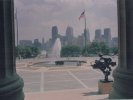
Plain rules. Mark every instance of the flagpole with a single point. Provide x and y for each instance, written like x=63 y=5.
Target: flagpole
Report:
x=85 y=37
x=85 y=31
x=85 y=22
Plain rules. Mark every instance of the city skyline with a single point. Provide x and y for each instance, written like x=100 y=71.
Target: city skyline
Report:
x=36 y=17
x=69 y=39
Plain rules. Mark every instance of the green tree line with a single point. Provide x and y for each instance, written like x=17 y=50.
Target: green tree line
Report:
x=68 y=51
x=27 y=51
x=93 y=49
x=72 y=51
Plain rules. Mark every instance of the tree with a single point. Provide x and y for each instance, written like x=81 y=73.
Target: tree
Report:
x=70 y=51
x=27 y=51
x=35 y=51
x=38 y=45
x=114 y=50
x=104 y=48
x=95 y=48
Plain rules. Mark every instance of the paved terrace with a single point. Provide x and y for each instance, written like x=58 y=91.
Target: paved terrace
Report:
x=68 y=83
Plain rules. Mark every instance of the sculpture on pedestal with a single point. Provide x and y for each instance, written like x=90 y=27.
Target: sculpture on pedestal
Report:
x=104 y=64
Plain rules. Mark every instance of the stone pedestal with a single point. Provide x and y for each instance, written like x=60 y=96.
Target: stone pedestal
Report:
x=123 y=75
x=104 y=87
x=11 y=85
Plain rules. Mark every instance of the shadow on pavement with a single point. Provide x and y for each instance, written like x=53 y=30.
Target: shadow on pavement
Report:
x=91 y=93
x=95 y=93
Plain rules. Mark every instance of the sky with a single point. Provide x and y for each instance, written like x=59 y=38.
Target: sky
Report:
x=36 y=17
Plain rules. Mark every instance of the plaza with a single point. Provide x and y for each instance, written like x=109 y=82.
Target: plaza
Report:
x=62 y=82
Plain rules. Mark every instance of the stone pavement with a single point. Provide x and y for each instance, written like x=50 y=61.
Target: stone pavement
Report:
x=79 y=94
x=61 y=83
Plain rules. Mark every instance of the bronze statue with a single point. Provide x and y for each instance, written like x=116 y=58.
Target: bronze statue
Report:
x=104 y=64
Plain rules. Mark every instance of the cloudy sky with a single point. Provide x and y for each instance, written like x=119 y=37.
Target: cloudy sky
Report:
x=36 y=17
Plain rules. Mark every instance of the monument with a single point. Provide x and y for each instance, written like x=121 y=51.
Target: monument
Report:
x=104 y=64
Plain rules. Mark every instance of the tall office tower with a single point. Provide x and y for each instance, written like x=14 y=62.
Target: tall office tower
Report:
x=69 y=31
x=43 y=43
x=54 y=33
x=107 y=36
x=69 y=35
x=98 y=35
x=102 y=38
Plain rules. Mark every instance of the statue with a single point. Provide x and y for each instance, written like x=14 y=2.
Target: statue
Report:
x=104 y=64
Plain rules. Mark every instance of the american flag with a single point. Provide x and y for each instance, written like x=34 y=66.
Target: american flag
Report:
x=82 y=15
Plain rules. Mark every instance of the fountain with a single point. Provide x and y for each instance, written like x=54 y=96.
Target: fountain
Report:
x=54 y=57
x=56 y=49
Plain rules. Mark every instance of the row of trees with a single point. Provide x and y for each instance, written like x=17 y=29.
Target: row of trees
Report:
x=68 y=51
x=92 y=49
x=27 y=51
x=72 y=50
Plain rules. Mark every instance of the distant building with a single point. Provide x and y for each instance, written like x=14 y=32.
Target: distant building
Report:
x=36 y=41
x=68 y=38
x=43 y=40
x=25 y=42
x=54 y=33
x=43 y=43
x=69 y=31
x=115 y=42
x=48 y=45
x=98 y=35
x=81 y=41
x=69 y=35
x=63 y=40
x=88 y=37
x=107 y=36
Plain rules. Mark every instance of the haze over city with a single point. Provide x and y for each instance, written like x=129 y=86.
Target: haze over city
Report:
x=36 y=17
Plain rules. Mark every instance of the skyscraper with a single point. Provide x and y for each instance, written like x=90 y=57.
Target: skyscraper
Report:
x=54 y=33
x=98 y=35
x=87 y=36
x=69 y=31
x=107 y=36
x=69 y=35
x=43 y=43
